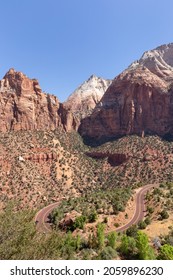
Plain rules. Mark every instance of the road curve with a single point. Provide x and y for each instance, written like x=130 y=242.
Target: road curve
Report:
x=41 y=218
x=42 y=221
x=140 y=207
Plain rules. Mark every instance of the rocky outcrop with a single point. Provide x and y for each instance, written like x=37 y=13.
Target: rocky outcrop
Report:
x=114 y=159
x=117 y=159
x=68 y=221
x=139 y=101
x=23 y=106
x=159 y=61
x=84 y=99
x=41 y=157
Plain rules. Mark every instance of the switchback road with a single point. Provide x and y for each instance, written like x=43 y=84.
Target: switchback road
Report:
x=140 y=207
x=43 y=225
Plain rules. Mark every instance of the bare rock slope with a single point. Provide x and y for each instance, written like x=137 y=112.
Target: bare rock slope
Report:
x=139 y=100
x=84 y=99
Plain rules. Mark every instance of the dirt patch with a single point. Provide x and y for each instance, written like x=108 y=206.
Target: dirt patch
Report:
x=157 y=228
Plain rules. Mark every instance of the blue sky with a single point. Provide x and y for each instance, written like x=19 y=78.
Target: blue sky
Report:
x=63 y=42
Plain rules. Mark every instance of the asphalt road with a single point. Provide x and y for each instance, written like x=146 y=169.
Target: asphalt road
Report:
x=42 y=224
x=140 y=207
x=41 y=218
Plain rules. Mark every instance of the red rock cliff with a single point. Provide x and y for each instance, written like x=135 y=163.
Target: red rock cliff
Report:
x=23 y=106
x=139 y=101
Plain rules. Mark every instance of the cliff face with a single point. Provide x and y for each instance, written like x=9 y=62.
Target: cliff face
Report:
x=23 y=106
x=84 y=99
x=114 y=159
x=139 y=101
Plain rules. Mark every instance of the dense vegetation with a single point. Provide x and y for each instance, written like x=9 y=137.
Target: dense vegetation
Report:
x=150 y=159
x=20 y=240
x=91 y=204
x=160 y=201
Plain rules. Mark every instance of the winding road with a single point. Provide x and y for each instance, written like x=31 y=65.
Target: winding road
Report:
x=140 y=209
x=42 y=221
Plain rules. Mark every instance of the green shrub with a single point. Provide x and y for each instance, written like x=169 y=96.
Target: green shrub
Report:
x=116 y=225
x=147 y=221
x=92 y=217
x=150 y=209
x=105 y=220
x=132 y=231
x=166 y=252
x=79 y=222
x=108 y=253
x=163 y=215
x=142 y=225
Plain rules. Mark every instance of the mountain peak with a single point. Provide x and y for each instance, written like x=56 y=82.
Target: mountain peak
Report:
x=159 y=61
x=92 y=77
x=84 y=99
x=12 y=72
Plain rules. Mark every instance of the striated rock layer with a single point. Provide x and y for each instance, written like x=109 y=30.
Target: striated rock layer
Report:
x=139 y=100
x=23 y=106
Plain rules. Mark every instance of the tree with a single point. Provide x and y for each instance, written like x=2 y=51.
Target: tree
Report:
x=124 y=247
x=112 y=239
x=166 y=252
x=145 y=252
x=164 y=215
x=132 y=231
x=142 y=225
x=128 y=247
x=100 y=235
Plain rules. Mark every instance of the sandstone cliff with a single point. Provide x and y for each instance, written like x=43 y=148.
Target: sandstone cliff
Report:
x=84 y=99
x=23 y=106
x=139 y=100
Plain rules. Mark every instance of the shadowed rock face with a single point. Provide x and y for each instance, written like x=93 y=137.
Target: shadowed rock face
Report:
x=139 y=101
x=23 y=106
x=114 y=159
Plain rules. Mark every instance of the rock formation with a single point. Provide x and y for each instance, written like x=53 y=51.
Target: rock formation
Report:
x=23 y=106
x=84 y=99
x=139 y=100
x=41 y=157
x=114 y=159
